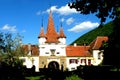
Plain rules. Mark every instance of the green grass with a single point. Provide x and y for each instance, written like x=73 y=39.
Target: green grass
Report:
x=73 y=77
x=33 y=78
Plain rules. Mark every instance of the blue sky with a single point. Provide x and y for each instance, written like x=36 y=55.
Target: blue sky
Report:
x=25 y=17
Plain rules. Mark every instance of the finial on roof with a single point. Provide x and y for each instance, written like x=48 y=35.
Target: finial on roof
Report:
x=42 y=22
x=41 y=30
x=61 y=23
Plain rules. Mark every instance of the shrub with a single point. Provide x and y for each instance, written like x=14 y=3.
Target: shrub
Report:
x=73 y=77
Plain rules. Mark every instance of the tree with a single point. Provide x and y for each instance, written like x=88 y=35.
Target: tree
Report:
x=104 y=9
x=2 y=48
x=10 y=49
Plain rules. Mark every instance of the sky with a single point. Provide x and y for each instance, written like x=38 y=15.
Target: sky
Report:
x=27 y=16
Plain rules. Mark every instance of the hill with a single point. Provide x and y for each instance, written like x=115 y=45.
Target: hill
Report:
x=87 y=38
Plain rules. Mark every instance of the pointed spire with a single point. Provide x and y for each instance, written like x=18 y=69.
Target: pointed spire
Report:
x=41 y=33
x=62 y=35
x=41 y=30
x=50 y=26
x=51 y=33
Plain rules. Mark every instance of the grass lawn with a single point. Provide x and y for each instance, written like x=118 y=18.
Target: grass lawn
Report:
x=34 y=78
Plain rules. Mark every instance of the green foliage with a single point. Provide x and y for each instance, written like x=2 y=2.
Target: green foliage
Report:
x=33 y=78
x=102 y=8
x=87 y=38
x=10 y=49
x=73 y=77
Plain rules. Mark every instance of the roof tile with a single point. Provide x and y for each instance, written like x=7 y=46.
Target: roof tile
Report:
x=97 y=43
x=51 y=34
x=62 y=35
x=41 y=33
x=79 y=51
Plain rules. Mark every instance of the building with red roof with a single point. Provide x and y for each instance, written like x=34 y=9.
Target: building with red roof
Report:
x=52 y=51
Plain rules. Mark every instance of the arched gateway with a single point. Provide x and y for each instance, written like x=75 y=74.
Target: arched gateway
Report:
x=53 y=65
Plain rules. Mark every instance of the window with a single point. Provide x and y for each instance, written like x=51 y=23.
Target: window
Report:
x=42 y=62
x=42 y=47
x=83 y=61
x=89 y=62
x=73 y=61
x=23 y=60
x=99 y=55
x=62 y=47
x=47 y=53
x=58 y=52
x=52 y=52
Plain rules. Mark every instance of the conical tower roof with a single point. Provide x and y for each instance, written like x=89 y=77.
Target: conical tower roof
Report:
x=61 y=34
x=51 y=34
x=41 y=33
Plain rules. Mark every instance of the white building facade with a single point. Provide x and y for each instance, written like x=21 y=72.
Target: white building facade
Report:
x=52 y=51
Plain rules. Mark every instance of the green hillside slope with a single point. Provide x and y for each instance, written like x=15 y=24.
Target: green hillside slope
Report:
x=87 y=38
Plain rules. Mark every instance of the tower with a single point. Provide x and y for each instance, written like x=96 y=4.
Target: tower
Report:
x=52 y=45
x=62 y=37
x=42 y=37
x=51 y=35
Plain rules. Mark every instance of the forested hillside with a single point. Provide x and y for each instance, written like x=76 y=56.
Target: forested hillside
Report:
x=87 y=38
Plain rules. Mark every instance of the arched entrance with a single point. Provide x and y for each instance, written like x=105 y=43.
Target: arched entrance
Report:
x=53 y=65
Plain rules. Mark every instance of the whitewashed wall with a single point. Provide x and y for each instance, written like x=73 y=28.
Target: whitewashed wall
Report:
x=62 y=40
x=72 y=66
x=95 y=56
x=28 y=62
x=47 y=47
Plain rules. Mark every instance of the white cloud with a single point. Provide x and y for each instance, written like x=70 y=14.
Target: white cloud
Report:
x=23 y=31
x=7 y=27
x=84 y=26
x=38 y=13
x=69 y=21
x=62 y=20
x=63 y=10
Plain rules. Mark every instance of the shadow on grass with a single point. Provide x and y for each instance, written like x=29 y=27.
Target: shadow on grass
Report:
x=83 y=72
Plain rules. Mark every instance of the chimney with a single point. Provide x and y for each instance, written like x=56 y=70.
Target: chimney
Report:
x=29 y=49
x=29 y=46
x=75 y=44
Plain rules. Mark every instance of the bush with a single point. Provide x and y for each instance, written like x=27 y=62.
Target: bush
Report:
x=73 y=77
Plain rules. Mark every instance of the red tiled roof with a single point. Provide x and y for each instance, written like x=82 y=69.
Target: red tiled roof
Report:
x=25 y=48
x=41 y=33
x=81 y=51
x=97 y=43
x=51 y=34
x=61 y=34
x=34 y=49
